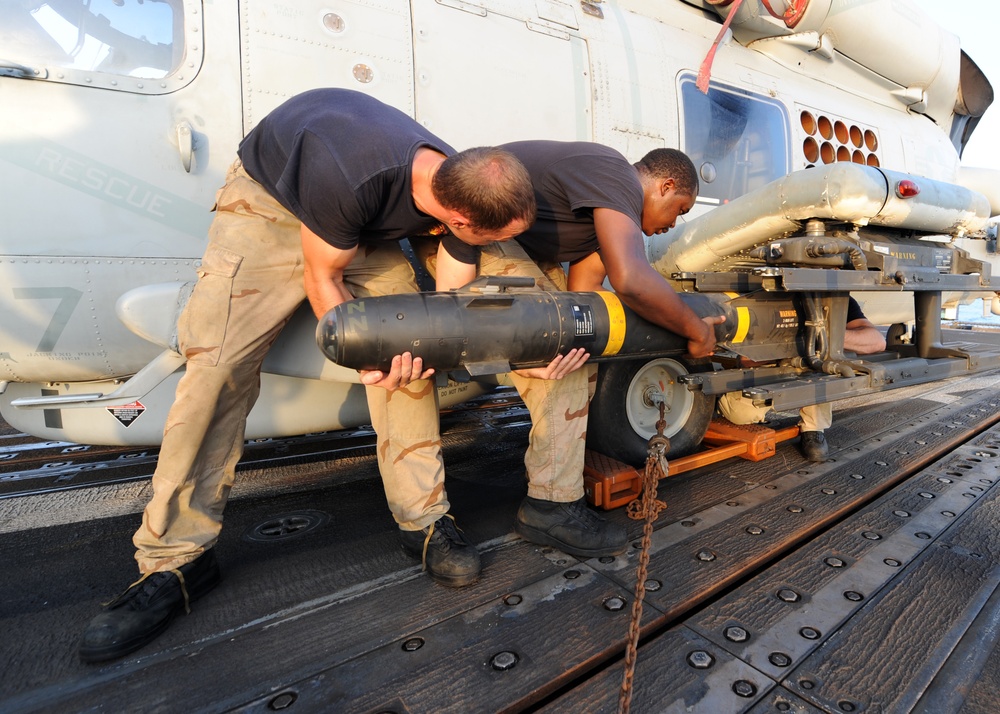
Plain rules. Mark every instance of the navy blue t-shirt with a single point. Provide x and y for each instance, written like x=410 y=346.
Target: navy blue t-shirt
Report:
x=571 y=179
x=340 y=161
x=854 y=310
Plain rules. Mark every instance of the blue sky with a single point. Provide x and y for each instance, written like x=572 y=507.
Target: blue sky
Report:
x=977 y=23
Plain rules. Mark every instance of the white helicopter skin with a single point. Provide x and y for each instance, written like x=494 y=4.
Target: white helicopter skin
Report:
x=118 y=121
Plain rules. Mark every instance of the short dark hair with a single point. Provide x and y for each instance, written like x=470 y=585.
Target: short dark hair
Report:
x=489 y=186
x=671 y=163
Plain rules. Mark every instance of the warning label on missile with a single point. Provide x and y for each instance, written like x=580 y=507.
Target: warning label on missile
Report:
x=583 y=316
x=127 y=413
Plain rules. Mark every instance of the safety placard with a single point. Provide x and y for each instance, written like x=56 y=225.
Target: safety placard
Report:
x=127 y=413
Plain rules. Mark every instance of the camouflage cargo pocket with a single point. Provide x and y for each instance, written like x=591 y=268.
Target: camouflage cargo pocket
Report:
x=201 y=328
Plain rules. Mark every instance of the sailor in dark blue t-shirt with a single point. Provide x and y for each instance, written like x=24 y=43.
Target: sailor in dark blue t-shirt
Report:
x=325 y=188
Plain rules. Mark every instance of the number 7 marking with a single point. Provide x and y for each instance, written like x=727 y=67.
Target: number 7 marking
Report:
x=68 y=299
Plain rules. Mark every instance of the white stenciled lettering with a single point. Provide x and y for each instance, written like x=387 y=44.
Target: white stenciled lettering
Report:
x=72 y=170
x=115 y=193
x=49 y=159
x=157 y=204
x=94 y=178
x=135 y=199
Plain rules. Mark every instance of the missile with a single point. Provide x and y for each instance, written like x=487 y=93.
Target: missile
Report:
x=486 y=328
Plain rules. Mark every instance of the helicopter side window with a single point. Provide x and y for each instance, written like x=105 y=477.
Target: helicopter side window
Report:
x=737 y=140
x=94 y=42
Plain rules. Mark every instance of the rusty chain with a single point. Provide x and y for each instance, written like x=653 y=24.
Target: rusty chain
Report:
x=646 y=507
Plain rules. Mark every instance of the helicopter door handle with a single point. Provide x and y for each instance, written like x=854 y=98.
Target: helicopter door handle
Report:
x=185 y=144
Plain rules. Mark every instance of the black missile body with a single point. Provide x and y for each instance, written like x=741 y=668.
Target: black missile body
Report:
x=491 y=333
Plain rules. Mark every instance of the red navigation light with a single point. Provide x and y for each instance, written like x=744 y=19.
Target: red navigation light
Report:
x=907 y=188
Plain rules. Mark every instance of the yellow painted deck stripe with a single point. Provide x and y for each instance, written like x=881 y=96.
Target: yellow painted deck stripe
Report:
x=616 y=319
x=742 y=320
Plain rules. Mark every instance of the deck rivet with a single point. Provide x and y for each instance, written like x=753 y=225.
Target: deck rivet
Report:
x=571 y=574
x=846 y=706
x=736 y=634
x=810 y=633
x=706 y=556
x=653 y=585
x=944 y=480
x=835 y=562
x=754 y=530
x=614 y=603
x=854 y=596
x=871 y=535
x=788 y=595
x=829 y=491
x=923 y=536
x=807 y=683
x=779 y=659
x=881 y=463
x=502 y=661
x=743 y=688
x=700 y=659
x=732 y=503
x=901 y=513
x=925 y=494
x=513 y=599
x=783 y=706
x=413 y=644
x=282 y=701
x=606 y=559
x=892 y=562
x=687 y=524
x=858 y=477
x=949 y=514
x=794 y=509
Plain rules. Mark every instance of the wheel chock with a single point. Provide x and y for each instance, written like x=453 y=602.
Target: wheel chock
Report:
x=609 y=483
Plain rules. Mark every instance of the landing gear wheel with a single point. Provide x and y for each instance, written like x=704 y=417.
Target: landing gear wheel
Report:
x=624 y=410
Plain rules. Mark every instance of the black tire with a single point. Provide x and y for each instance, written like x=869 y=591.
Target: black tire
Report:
x=622 y=418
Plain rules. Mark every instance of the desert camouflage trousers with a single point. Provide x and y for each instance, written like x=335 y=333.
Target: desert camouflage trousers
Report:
x=739 y=410
x=557 y=441
x=249 y=284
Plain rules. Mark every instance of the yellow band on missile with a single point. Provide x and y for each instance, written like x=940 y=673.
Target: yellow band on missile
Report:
x=616 y=320
x=742 y=320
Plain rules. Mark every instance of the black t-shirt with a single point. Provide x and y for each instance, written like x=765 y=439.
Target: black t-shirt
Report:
x=340 y=161
x=854 y=311
x=571 y=179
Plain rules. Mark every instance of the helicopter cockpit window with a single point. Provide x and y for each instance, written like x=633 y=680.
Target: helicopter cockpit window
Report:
x=133 y=45
x=737 y=140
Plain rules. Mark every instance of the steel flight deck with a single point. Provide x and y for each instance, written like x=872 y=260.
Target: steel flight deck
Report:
x=867 y=583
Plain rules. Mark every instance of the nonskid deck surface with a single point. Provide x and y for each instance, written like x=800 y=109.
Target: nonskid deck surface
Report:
x=868 y=583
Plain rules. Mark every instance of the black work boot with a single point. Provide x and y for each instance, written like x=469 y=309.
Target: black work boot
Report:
x=571 y=527
x=141 y=613
x=813 y=445
x=445 y=552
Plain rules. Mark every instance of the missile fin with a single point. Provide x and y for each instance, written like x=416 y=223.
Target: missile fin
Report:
x=480 y=369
